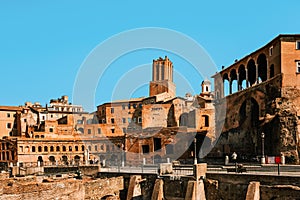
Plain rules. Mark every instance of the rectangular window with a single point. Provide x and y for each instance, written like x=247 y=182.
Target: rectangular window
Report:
x=140 y=120
x=51 y=130
x=89 y=131
x=112 y=120
x=124 y=130
x=8 y=125
x=298 y=44
x=298 y=66
x=112 y=110
x=99 y=130
x=124 y=120
x=134 y=120
x=129 y=120
x=129 y=106
x=123 y=107
x=157 y=144
x=145 y=149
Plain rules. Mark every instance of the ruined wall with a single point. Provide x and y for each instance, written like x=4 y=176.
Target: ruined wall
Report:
x=234 y=186
x=252 y=111
x=36 y=188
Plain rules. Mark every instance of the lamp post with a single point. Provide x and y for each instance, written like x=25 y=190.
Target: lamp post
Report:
x=263 y=159
x=195 y=150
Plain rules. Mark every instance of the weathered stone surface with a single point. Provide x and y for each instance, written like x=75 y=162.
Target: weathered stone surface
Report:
x=287 y=192
x=28 y=189
x=165 y=168
x=253 y=191
x=211 y=189
x=158 y=191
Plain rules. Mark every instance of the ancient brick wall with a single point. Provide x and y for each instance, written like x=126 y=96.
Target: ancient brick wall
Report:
x=36 y=188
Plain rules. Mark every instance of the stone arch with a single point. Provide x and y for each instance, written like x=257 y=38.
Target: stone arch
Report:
x=262 y=65
x=242 y=77
x=251 y=67
x=52 y=159
x=233 y=81
x=226 y=85
x=40 y=159
x=77 y=159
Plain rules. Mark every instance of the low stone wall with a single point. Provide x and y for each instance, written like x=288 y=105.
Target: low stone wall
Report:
x=234 y=186
x=38 y=188
x=85 y=170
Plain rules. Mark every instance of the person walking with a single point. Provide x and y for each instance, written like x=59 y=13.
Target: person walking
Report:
x=234 y=158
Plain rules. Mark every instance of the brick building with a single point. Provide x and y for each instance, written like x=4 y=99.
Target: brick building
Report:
x=260 y=97
x=150 y=128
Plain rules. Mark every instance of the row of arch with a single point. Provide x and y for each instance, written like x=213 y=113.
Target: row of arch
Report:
x=247 y=76
x=46 y=149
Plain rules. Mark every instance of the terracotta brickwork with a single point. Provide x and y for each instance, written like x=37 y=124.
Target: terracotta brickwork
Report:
x=260 y=94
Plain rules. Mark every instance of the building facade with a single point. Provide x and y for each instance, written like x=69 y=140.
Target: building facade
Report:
x=259 y=95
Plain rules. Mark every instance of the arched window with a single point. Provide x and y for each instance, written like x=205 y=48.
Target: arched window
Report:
x=58 y=148
x=33 y=149
x=51 y=149
x=64 y=148
x=76 y=148
x=40 y=149
x=70 y=148
x=82 y=148
x=45 y=149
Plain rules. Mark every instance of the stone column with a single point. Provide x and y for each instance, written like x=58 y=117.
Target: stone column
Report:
x=256 y=73
x=238 y=81
x=230 y=86
x=247 y=78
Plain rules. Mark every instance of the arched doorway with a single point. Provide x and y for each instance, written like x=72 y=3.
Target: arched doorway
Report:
x=40 y=160
x=251 y=72
x=65 y=160
x=262 y=67
x=52 y=160
x=77 y=160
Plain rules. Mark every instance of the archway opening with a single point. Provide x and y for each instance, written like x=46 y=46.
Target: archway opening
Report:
x=251 y=72
x=262 y=67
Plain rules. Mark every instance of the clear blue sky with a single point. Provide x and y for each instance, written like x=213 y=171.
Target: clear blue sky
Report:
x=44 y=43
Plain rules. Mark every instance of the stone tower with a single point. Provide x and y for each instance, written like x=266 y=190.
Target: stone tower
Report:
x=206 y=87
x=162 y=77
